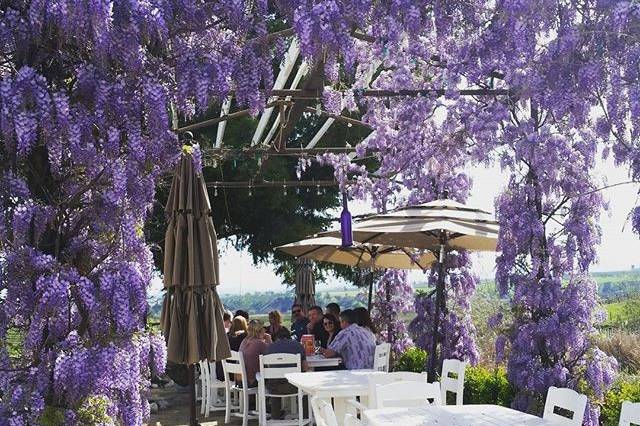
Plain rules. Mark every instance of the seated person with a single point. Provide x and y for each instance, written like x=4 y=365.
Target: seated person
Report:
x=226 y=319
x=254 y=345
x=356 y=345
x=333 y=309
x=315 y=326
x=299 y=324
x=363 y=319
x=283 y=344
x=242 y=313
x=275 y=324
x=236 y=334
x=331 y=325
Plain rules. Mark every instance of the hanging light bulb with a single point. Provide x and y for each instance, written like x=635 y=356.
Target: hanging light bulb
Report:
x=318 y=188
x=284 y=190
x=297 y=190
x=215 y=191
x=250 y=191
x=318 y=109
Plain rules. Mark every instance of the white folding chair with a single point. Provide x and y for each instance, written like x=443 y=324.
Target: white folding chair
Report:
x=568 y=400
x=407 y=394
x=381 y=357
x=325 y=416
x=209 y=387
x=630 y=413
x=234 y=365
x=452 y=379
x=376 y=380
x=275 y=366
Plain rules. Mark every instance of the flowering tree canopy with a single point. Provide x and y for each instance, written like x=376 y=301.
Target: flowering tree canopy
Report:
x=89 y=91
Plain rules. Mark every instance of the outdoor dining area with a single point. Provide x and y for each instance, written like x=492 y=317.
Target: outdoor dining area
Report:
x=330 y=369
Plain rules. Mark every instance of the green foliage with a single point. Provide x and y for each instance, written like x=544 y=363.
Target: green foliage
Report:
x=625 y=389
x=413 y=359
x=51 y=416
x=623 y=314
x=487 y=386
x=93 y=411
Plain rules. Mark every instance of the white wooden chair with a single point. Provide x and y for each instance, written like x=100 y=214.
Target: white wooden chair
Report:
x=376 y=380
x=452 y=379
x=234 y=365
x=381 y=357
x=407 y=394
x=630 y=413
x=275 y=366
x=566 y=399
x=209 y=387
x=325 y=416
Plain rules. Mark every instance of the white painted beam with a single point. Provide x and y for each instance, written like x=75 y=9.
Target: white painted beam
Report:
x=285 y=70
x=223 y=124
x=302 y=71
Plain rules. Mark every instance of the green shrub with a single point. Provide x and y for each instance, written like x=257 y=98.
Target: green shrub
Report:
x=487 y=386
x=625 y=389
x=413 y=359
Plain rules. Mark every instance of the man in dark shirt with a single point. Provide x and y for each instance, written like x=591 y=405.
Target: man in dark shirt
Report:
x=315 y=326
x=283 y=344
x=299 y=325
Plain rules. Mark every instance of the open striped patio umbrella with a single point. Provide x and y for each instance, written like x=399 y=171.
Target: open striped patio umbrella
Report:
x=366 y=256
x=438 y=226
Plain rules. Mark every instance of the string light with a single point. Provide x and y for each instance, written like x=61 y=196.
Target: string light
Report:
x=284 y=189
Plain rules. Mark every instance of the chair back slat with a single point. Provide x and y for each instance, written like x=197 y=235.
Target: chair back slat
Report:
x=568 y=400
x=452 y=379
x=275 y=366
x=381 y=357
x=376 y=380
x=630 y=413
x=407 y=394
x=235 y=365
x=323 y=412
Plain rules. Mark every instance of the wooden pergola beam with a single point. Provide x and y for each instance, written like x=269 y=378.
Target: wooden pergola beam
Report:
x=225 y=117
x=271 y=152
x=310 y=94
x=341 y=118
x=273 y=184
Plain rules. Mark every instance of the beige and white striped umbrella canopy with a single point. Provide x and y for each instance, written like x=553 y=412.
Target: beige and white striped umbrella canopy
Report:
x=423 y=226
x=329 y=249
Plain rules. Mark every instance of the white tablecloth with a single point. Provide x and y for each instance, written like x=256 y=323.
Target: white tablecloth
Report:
x=315 y=361
x=453 y=415
x=337 y=385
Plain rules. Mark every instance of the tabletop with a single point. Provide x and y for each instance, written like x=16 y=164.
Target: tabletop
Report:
x=453 y=415
x=331 y=384
x=315 y=361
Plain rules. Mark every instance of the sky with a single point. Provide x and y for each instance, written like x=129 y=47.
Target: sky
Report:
x=618 y=251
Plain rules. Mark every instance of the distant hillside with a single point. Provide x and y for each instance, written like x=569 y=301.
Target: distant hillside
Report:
x=612 y=286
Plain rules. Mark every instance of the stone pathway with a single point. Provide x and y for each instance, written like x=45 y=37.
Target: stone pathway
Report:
x=173 y=409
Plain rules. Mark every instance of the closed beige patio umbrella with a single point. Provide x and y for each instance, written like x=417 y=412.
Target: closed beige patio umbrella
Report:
x=438 y=226
x=191 y=317
x=305 y=284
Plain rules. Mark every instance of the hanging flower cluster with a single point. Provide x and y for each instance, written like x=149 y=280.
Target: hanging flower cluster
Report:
x=393 y=299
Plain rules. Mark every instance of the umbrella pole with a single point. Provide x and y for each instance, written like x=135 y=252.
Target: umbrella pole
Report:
x=193 y=417
x=370 y=304
x=431 y=371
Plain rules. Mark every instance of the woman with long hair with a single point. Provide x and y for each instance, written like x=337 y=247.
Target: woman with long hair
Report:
x=275 y=324
x=254 y=345
x=332 y=326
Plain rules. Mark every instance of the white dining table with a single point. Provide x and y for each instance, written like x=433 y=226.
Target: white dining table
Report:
x=453 y=415
x=339 y=386
x=316 y=361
